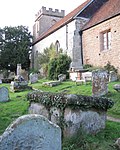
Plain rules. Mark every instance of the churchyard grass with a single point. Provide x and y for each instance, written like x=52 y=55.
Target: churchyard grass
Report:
x=18 y=105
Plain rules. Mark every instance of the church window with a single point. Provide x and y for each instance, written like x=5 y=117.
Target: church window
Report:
x=106 y=40
x=57 y=46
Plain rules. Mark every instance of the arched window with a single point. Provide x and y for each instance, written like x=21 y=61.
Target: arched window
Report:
x=57 y=46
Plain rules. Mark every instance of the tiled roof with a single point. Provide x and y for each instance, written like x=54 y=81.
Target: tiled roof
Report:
x=110 y=9
x=68 y=18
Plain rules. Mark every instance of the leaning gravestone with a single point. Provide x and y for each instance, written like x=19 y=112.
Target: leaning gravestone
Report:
x=31 y=132
x=4 y=94
x=99 y=83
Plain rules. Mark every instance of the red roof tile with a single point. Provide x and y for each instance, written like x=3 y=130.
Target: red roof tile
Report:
x=68 y=18
x=110 y=9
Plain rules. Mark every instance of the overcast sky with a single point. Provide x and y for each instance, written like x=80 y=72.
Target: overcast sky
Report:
x=22 y=12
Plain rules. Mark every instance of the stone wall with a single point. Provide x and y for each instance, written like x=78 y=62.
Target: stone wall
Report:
x=71 y=112
x=92 y=44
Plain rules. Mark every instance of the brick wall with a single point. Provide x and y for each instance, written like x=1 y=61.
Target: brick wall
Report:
x=92 y=49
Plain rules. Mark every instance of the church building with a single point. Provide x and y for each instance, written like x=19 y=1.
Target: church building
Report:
x=90 y=34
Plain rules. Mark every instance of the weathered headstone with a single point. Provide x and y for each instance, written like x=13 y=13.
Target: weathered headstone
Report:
x=4 y=94
x=33 y=78
x=31 y=132
x=99 y=83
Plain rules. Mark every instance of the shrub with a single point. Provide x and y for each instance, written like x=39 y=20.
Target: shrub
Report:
x=59 y=65
x=87 y=66
x=110 y=67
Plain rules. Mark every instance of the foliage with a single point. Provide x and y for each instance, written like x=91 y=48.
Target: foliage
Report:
x=33 y=71
x=15 y=45
x=5 y=73
x=45 y=57
x=48 y=61
x=110 y=67
x=87 y=66
x=59 y=65
x=52 y=73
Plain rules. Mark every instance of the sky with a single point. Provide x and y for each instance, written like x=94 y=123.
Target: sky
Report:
x=22 y=12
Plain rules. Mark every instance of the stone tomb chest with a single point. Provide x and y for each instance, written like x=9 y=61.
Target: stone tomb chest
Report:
x=71 y=112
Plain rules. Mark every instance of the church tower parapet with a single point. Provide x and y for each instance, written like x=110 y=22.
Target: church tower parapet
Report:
x=50 y=12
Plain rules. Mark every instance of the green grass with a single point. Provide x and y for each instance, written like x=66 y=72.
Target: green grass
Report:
x=16 y=107
x=115 y=96
x=104 y=140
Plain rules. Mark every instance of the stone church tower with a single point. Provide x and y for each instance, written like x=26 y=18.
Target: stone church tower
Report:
x=44 y=19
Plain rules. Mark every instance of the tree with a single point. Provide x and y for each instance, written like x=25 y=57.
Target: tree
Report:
x=15 y=45
x=48 y=54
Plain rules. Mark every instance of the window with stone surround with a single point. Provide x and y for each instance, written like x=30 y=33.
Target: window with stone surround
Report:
x=106 y=40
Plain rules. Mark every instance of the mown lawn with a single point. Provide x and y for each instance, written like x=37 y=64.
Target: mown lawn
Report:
x=18 y=105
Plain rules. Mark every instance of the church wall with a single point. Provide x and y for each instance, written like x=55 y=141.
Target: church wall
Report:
x=63 y=35
x=92 y=44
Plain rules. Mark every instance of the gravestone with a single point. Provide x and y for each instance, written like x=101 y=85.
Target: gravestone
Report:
x=33 y=78
x=31 y=132
x=99 y=83
x=62 y=77
x=4 y=94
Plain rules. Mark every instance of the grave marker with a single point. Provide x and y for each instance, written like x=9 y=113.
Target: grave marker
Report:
x=31 y=132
